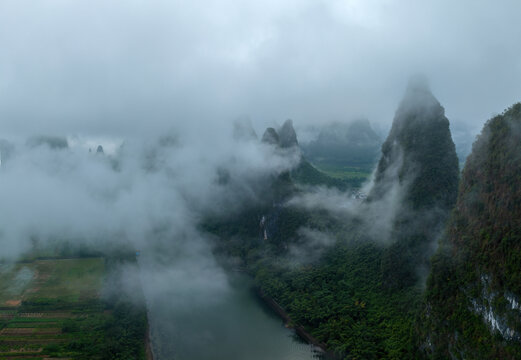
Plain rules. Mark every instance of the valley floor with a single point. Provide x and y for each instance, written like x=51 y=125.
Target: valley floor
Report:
x=52 y=308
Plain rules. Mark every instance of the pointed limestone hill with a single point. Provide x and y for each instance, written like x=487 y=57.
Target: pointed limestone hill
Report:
x=287 y=135
x=270 y=137
x=418 y=170
x=419 y=150
x=305 y=173
x=473 y=297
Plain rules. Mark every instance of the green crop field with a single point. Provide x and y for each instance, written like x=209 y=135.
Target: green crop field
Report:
x=344 y=172
x=53 y=309
x=64 y=279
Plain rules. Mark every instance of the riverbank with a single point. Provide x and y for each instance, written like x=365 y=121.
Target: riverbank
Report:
x=149 y=354
x=299 y=330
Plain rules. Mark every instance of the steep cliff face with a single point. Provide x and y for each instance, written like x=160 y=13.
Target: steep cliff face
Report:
x=418 y=163
x=474 y=291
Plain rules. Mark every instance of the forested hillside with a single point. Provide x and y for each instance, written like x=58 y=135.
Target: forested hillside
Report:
x=419 y=170
x=472 y=302
x=360 y=293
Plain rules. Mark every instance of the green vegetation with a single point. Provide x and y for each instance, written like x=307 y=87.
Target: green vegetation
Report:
x=342 y=303
x=307 y=174
x=361 y=296
x=418 y=155
x=476 y=274
x=345 y=144
x=52 y=308
x=339 y=298
x=342 y=178
x=344 y=172
x=67 y=280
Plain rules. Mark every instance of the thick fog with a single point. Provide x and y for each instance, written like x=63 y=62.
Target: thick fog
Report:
x=146 y=196
x=134 y=67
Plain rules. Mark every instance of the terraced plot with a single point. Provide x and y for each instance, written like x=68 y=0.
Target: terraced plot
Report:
x=51 y=309
x=67 y=280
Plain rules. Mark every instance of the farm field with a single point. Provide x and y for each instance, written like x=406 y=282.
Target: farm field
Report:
x=52 y=309
x=344 y=172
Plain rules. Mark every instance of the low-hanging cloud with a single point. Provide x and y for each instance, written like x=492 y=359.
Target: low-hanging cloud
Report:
x=375 y=218
x=148 y=196
x=71 y=193
x=310 y=246
x=133 y=67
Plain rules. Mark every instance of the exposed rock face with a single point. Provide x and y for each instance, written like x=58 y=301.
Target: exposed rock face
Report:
x=270 y=136
x=474 y=290
x=287 y=135
x=99 y=150
x=420 y=166
x=285 y=138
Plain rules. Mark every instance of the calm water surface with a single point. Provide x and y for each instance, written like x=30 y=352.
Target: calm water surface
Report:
x=237 y=326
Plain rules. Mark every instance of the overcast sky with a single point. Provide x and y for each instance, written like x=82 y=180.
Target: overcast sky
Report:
x=133 y=67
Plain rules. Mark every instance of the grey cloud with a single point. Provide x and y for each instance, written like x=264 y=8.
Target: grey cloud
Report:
x=310 y=246
x=71 y=193
x=131 y=68
x=374 y=218
x=148 y=196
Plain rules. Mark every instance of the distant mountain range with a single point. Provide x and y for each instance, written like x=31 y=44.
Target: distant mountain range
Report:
x=305 y=173
x=353 y=144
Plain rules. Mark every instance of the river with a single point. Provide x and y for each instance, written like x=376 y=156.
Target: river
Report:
x=235 y=325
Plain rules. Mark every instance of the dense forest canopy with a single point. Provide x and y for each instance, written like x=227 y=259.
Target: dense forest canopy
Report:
x=474 y=287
